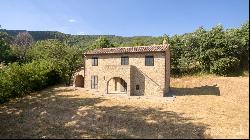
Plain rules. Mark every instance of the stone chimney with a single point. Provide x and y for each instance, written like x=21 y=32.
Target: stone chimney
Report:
x=164 y=42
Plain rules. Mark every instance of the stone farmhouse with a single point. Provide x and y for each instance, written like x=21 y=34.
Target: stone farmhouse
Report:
x=135 y=71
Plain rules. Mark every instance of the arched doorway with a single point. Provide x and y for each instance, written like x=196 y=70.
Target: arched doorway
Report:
x=79 y=81
x=116 y=85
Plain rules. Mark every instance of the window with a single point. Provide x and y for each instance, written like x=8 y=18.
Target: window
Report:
x=94 y=82
x=137 y=87
x=124 y=60
x=94 y=61
x=149 y=60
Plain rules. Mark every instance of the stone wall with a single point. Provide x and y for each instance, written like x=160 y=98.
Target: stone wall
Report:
x=167 y=74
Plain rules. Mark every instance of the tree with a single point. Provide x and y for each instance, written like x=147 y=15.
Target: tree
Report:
x=212 y=44
x=244 y=36
x=175 y=52
x=65 y=59
x=5 y=51
x=22 y=43
x=102 y=42
x=138 y=41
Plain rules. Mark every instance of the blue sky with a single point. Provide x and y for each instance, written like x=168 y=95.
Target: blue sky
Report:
x=122 y=17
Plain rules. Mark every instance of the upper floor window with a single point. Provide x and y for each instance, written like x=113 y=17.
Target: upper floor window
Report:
x=94 y=61
x=149 y=60
x=124 y=60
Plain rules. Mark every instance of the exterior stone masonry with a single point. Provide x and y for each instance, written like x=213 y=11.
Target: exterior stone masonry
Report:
x=134 y=79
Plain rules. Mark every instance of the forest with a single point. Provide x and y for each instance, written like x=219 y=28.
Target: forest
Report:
x=33 y=60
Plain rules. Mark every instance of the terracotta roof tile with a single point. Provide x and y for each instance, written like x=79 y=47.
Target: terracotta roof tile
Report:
x=152 y=48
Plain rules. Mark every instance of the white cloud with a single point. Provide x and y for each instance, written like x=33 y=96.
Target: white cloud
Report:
x=72 y=20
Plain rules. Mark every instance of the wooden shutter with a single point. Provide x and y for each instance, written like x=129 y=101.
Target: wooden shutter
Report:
x=96 y=82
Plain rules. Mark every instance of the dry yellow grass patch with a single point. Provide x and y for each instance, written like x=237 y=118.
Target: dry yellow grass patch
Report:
x=204 y=107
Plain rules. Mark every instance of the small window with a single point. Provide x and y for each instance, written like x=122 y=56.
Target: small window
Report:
x=149 y=60
x=94 y=61
x=94 y=82
x=137 y=87
x=124 y=60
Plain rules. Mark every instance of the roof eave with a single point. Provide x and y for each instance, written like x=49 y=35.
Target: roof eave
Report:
x=122 y=52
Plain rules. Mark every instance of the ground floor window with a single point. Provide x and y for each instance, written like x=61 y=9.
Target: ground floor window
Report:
x=94 y=82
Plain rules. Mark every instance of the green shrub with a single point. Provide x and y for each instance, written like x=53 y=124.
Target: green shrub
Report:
x=17 y=80
x=226 y=66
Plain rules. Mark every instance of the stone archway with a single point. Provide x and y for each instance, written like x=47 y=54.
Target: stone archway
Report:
x=79 y=81
x=116 y=85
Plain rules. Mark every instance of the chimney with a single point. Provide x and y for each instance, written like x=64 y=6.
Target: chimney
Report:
x=165 y=42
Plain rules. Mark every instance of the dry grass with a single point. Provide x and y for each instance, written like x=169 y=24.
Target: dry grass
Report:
x=204 y=107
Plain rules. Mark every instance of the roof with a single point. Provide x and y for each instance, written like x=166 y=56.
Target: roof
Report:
x=152 y=48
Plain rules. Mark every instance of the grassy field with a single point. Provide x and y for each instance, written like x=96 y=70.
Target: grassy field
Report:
x=204 y=107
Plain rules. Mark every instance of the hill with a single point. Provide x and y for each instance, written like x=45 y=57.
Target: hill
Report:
x=86 y=40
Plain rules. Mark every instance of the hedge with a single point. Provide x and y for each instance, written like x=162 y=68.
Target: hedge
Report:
x=17 y=80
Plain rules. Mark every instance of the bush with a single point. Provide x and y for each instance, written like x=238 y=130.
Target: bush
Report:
x=17 y=80
x=226 y=66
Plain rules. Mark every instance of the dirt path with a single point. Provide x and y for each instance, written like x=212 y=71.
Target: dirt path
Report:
x=204 y=107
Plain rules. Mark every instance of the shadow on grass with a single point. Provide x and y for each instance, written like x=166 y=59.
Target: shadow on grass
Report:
x=203 y=90
x=59 y=116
